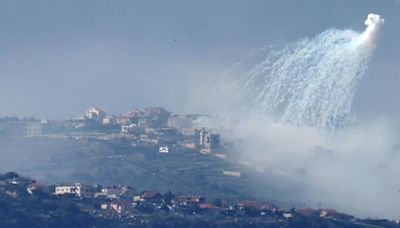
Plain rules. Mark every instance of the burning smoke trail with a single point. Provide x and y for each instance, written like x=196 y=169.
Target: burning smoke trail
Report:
x=311 y=82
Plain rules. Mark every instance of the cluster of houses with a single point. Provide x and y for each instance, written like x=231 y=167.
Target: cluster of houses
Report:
x=14 y=127
x=155 y=126
x=150 y=127
x=123 y=200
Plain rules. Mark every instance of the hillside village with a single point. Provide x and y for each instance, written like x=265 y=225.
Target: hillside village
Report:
x=151 y=127
x=121 y=205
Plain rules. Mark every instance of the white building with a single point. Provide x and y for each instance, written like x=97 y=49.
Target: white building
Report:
x=84 y=190
x=206 y=140
x=163 y=149
x=33 y=129
x=65 y=189
x=109 y=119
x=95 y=114
x=232 y=173
x=77 y=189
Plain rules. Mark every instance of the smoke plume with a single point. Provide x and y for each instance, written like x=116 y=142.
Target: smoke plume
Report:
x=311 y=82
x=285 y=107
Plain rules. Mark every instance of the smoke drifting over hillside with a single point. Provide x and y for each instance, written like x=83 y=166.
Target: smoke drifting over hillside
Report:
x=294 y=116
x=354 y=172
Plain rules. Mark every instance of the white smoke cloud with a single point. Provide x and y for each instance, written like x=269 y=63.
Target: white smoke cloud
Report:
x=354 y=171
x=311 y=82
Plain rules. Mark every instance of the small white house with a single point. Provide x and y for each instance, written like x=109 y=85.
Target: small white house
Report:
x=163 y=149
x=232 y=173
x=77 y=189
x=65 y=189
x=95 y=114
x=287 y=215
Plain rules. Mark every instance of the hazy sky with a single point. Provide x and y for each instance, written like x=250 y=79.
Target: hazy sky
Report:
x=57 y=58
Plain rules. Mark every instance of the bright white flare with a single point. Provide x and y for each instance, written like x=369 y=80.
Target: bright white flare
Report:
x=373 y=23
x=311 y=82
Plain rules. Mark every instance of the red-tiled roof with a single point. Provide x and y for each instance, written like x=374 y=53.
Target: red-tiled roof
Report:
x=149 y=194
x=36 y=185
x=207 y=206
x=306 y=211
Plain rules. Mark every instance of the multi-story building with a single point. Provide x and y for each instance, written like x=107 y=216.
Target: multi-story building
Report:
x=33 y=129
x=206 y=140
x=65 y=189
x=95 y=114
x=79 y=190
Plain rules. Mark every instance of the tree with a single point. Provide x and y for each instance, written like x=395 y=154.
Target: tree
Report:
x=168 y=197
x=11 y=175
x=217 y=202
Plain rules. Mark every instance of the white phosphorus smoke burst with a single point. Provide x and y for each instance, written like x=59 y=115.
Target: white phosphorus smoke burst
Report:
x=311 y=82
x=283 y=115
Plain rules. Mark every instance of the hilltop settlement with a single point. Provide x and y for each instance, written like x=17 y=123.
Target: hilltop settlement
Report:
x=151 y=127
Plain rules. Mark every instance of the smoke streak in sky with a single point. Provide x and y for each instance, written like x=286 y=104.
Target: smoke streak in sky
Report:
x=311 y=82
